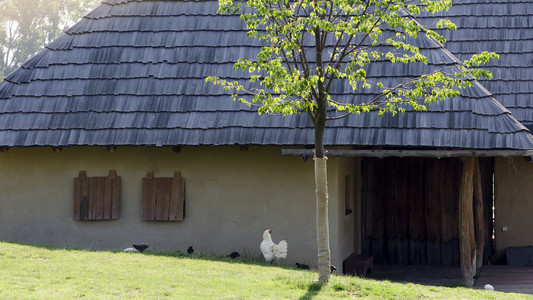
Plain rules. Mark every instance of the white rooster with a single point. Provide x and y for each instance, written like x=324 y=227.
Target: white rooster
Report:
x=272 y=251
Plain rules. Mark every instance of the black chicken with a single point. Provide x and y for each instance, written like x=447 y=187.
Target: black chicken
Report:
x=140 y=247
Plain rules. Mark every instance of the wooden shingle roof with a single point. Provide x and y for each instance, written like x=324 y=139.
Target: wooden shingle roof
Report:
x=504 y=27
x=133 y=73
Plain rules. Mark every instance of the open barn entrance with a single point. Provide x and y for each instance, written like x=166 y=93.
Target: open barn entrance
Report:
x=409 y=209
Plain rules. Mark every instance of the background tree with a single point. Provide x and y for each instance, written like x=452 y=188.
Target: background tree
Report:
x=26 y=26
x=312 y=45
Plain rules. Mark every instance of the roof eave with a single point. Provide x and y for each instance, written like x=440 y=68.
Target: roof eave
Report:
x=410 y=153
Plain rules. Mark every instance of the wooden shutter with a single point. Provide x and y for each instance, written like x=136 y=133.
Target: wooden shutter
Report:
x=97 y=198
x=163 y=198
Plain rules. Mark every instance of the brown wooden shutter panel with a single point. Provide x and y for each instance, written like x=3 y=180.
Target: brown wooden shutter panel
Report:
x=108 y=193
x=149 y=195
x=92 y=198
x=177 y=200
x=77 y=195
x=84 y=204
x=163 y=198
x=97 y=198
x=115 y=196
x=100 y=201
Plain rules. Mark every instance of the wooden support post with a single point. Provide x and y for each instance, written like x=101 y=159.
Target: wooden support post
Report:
x=467 y=242
x=478 y=216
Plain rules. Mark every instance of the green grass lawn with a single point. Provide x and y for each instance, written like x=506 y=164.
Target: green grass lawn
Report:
x=32 y=272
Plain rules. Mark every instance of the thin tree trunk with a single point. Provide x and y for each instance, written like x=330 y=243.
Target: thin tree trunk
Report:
x=321 y=183
x=322 y=226
x=321 y=179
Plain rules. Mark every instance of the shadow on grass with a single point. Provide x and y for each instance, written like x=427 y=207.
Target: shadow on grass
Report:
x=246 y=258
x=313 y=290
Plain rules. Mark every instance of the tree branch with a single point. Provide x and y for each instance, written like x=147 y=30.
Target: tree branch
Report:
x=399 y=86
x=345 y=52
x=338 y=118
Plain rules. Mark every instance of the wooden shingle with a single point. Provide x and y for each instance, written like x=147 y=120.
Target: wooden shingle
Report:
x=133 y=73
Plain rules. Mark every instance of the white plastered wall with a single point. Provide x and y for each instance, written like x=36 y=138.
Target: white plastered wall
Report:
x=513 y=198
x=345 y=195
x=232 y=196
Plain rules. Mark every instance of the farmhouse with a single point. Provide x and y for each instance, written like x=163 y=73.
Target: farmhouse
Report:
x=111 y=136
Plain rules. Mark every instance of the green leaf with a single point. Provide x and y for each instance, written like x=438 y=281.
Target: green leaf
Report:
x=346 y=37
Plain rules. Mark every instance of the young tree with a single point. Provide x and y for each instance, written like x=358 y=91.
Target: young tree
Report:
x=26 y=26
x=312 y=45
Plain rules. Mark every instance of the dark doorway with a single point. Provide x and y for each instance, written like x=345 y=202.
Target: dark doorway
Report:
x=410 y=209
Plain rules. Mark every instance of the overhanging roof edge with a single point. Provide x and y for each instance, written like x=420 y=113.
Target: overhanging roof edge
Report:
x=409 y=153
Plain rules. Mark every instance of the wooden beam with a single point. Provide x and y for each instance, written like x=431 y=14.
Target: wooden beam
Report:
x=4 y=149
x=243 y=147
x=57 y=149
x=467 y=244
x=410 y=153
x=150 y=175
x=479 y=224
x=112 y=149
x=176 y=149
